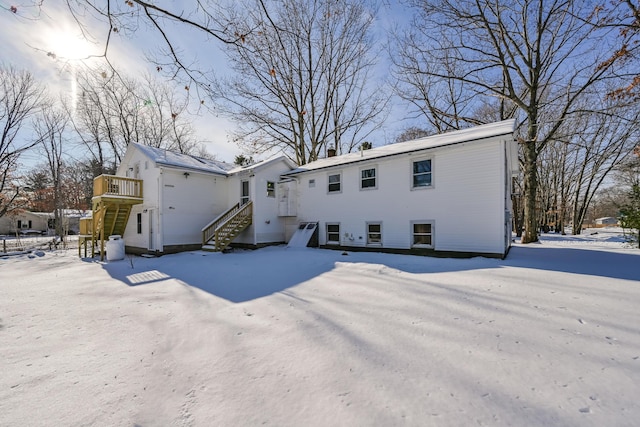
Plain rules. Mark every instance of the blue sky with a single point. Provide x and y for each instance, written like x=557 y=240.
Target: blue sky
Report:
x=29 y=35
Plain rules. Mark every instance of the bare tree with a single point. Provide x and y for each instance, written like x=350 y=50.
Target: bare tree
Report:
x=113 y=111
x=624 y=15
x=51 y=127
x=590 y=146
x=534 y=58
x=604 y=141
x=411 y=133
x=301 y=77
x=20 y=98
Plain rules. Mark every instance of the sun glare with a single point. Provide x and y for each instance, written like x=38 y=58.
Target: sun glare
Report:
x=69 y=45
x=64 y=41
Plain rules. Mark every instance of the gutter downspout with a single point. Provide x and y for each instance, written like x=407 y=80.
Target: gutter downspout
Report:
x=507 y=197
x=160 y=226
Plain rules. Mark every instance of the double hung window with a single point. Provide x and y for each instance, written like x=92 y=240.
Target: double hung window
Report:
x=422 y=174
x=368 y=178
x=335 y=183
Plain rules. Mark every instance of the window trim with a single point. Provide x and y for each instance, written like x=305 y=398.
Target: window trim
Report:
x=412 y=174
x=375 y=177
x=368 y=233
x=329 y=183
x=139 y=223
x=432 y=234
x=244 y=199
x=271 y=192
x=326 y=229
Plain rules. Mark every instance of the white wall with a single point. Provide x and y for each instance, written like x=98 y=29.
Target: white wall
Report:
x=149 y=173
x=179 y=206
x=466 y=201
x=267 y=226
x=189 y=204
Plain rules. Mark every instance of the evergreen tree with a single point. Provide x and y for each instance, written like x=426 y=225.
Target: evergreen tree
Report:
x=630 y=211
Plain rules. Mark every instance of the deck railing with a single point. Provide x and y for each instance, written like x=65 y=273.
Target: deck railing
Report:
x=111 y=185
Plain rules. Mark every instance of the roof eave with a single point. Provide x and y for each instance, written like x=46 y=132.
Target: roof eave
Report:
x=364 y=159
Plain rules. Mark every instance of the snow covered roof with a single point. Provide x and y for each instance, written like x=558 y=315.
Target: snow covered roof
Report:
x=261 y=164
x=505 y=127
x=184 y=161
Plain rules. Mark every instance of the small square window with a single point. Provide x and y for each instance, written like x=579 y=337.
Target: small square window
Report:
x=374 y=233
x=422 y=173
x=368 y=178
x=271 y=189
x=333 y=234
x=312 y=183
x=334 y=183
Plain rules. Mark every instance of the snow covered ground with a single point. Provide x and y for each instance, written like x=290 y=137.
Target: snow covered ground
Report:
x=290 y=337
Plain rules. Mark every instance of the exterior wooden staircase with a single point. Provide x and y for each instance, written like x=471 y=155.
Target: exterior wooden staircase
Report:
x=113 y=198
x=219 y=233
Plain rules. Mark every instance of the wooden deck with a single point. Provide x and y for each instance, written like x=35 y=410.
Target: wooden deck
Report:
x=113 y=197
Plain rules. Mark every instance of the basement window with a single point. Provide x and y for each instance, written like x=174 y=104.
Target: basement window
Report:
x=422 y=234
x=333 y=234
x=374 y=233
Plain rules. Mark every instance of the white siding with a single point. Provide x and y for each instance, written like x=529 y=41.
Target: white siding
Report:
x=148 y=173
x=188 y=204
x=267 y=226
x=465 y=202
x=180 y=205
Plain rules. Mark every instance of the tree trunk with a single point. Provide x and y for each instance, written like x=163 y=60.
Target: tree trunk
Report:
x=530 y=190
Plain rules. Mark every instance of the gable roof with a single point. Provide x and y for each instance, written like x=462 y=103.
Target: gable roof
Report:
x=263 y=163
x=184 y=161
x=505 y=127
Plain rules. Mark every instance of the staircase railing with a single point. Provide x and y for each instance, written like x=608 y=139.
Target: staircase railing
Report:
x=226 y=223
x=230 y=229
x=209 y=230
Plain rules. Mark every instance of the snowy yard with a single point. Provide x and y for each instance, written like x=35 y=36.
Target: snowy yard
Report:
x=289 y=337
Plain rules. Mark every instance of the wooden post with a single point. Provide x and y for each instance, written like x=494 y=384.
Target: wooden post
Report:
x=102 y=241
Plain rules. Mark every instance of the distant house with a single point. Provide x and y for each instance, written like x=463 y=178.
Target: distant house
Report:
x=447 y=194
x=606 y=221
x=24 y=222
x=71 y=219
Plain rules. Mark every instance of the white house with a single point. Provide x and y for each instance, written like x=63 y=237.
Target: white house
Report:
x=22 y=222
x=447 y=194
x=183 y=194
x=606 y=221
